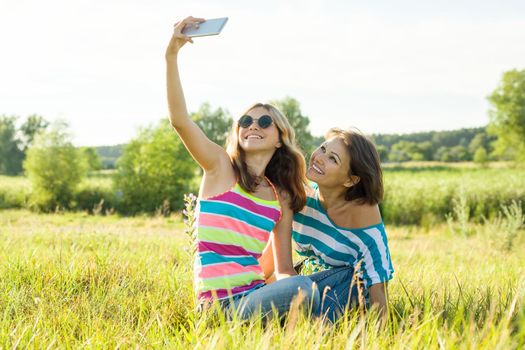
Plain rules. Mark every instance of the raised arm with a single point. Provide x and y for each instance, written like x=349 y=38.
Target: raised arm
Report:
x=209 y=155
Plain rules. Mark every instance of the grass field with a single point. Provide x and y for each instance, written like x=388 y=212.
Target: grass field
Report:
x=77 y=281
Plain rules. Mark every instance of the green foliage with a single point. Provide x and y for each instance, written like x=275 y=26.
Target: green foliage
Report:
x=96 y=196
x=54 y=167
x=216 y=124
x=507 y=117
x=14 y=142
x=422 y=196
x=31 y=127
x=155 y=167
x=14 y=192
x=507 y=226
x=92 y=158
x=480 y=156
x=299 y=122
x=109 y=155
x=445 y=146
x=11 y=156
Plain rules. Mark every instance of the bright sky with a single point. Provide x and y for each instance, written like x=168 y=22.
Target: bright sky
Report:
x=383 y=66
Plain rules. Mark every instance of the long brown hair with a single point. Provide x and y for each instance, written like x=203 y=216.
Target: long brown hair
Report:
x=287 y=167
x=364 y=163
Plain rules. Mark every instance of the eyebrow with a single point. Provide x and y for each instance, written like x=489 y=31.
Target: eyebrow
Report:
x=332 y=152
x=337 y=155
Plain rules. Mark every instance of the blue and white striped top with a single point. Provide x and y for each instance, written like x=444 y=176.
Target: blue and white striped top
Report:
x=326 y=245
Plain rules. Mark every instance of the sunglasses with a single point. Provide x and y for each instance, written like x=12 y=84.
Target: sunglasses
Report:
x=263 y=122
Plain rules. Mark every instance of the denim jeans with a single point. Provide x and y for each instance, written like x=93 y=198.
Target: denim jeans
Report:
x=338 y=289
x=275 y=296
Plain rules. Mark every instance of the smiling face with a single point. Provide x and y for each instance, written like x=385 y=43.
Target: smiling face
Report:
x=255 y=138
x=330 y=164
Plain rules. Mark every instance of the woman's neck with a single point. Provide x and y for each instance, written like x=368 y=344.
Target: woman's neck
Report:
x=332 y=198
x=257 y=163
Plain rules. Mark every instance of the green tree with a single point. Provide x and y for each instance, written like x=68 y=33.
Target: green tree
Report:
x=154 y=171
x=31 y=127
x=55 y=168
x=216 y=124
x=481 y=156
x=459 y=153
x=91 y=158
x=406 y=150
x=383 y=153
x=11 y=156
x=507 y=115
x=299 y=122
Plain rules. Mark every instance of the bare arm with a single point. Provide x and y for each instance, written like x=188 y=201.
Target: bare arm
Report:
x=282 y=244
x=209 y=155
x=378 y=299
x=266 y=260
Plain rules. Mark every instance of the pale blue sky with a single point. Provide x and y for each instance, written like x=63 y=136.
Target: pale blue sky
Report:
x=382 y=66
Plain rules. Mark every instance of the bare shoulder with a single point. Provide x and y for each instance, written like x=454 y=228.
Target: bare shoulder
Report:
x=364 y=215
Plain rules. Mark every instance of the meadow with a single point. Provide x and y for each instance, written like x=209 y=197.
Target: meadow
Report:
x=75 y=280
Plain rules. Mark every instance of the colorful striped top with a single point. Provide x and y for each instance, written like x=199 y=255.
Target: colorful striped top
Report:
x=232 y=230
x=326 y=245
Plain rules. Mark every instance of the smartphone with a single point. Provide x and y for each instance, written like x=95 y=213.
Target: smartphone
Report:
x=208 y=27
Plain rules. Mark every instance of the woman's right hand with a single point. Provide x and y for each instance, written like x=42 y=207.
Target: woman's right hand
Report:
x=178 y=39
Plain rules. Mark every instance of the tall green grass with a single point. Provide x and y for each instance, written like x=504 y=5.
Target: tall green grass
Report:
x=79 y=281
x=414 y=195
x=424 y=196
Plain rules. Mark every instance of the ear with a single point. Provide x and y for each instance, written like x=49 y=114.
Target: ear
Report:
x=278 y=144
x=352 y=181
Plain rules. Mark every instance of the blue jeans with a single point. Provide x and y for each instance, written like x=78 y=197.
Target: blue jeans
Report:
x=275 y=296
x=339 y=291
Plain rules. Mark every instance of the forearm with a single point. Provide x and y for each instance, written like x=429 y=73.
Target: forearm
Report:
x=176 y=101
x=378 y=299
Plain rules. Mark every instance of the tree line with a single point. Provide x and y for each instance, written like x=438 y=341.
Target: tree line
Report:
x=154 y=169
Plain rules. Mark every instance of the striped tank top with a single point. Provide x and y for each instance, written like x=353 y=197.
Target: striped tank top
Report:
x=232 y=230
x=326 y=245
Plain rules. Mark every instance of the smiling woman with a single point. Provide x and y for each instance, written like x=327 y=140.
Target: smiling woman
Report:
x=340 y=231
x=248 y=193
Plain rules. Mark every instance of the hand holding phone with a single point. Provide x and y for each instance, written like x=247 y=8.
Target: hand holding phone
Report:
x=208 y=27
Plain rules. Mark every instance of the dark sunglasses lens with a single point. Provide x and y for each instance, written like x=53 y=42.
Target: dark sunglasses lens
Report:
x=265 y=121
x=245 y=121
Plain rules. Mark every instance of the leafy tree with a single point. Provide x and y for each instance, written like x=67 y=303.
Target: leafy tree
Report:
x=216 y=124
x=299 y=122
x=459 y=153
x=154 y=171
x=11 y=155
x=507 y=116
x=443 y=154
x=406 y=150
x=31 y=127
x=91 y=158
x=383 y=153
x=481 y=156
x=54 y=167
x=109 y=155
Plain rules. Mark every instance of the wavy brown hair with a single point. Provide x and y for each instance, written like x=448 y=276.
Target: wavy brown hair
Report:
x=287 y=167
x=364 y=162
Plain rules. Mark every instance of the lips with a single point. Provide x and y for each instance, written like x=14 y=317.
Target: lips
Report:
x=253 y=136
x=316 y=169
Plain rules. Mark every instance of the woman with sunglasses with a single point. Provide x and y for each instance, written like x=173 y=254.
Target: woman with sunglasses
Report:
x=339 y=231
x=248 y=193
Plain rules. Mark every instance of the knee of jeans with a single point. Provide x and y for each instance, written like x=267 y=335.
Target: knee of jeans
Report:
x=311 y=292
